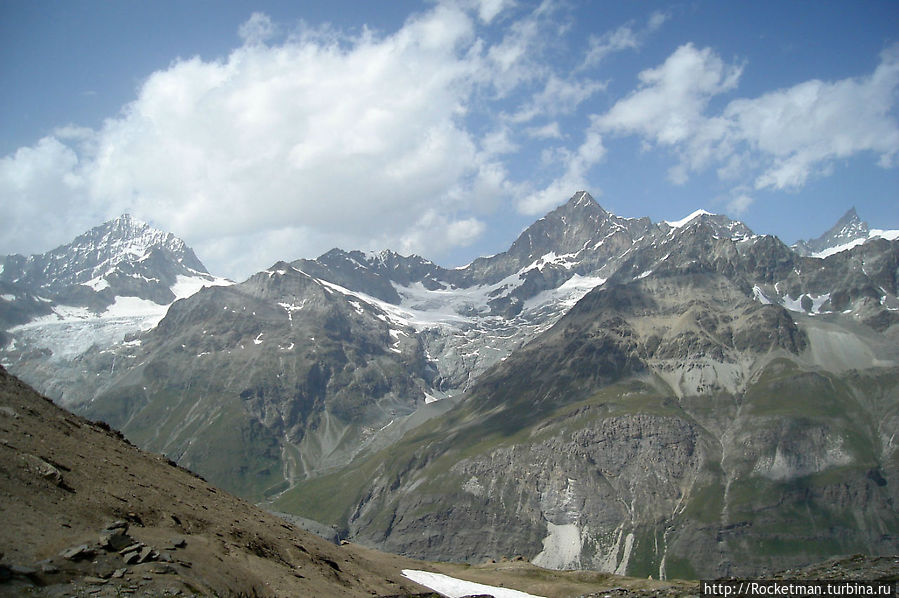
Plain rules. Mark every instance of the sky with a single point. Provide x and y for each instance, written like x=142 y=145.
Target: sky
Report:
x=261 y=131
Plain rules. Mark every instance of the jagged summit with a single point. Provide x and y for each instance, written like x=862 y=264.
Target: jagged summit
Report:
x=849 y=231
x=124 y=247
x=113 y=280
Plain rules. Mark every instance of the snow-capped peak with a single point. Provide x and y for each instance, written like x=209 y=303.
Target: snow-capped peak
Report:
x=849 y=231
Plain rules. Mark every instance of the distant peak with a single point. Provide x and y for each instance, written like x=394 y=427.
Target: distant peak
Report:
x=580 y=203
x=581 y=198
x=850 y=216
x=129 y=220
x=683 y=221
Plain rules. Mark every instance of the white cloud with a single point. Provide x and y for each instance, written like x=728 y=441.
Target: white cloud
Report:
x=668 y=106
x=803 y=129
x=578 y=163
x=489 y=9
x=547 y=131
x=558 y=96
x=620 y=39
x=257 y=29
x=775 y=141
x=362 y=141
x=656 y=20
x=739 y=205
x=498 y=142
x=50 y=193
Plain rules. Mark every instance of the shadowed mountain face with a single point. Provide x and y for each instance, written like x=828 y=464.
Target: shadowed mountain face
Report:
x=606 y=394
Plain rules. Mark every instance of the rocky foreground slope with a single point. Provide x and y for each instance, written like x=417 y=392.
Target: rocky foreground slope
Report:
x=86 y=513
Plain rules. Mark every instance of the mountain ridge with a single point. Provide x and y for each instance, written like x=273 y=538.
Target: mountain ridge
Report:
x=307 y=369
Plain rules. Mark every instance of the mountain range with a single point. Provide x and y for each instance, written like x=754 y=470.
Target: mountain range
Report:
x=677 y=399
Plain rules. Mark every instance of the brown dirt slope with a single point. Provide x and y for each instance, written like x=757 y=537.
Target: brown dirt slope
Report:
x=83 y=512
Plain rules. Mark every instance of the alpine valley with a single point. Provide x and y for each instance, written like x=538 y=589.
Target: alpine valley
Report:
x=678 y=399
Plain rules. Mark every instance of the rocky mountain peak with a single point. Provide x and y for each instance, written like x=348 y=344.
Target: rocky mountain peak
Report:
x=564 y=230
x=128 y=238
x=125 y=246
x=849 y=226
x=123 y=257
x=849 y=229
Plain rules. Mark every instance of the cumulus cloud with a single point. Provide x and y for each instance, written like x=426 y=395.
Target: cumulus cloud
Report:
x=342 y=139
x=623 y=38
x=668 y=107
x=257 y=29
x=298 y=141
x=590 y=152
x=776 y=141
x=50 y=194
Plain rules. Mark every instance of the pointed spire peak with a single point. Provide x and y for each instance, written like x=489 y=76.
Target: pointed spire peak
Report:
x=581 y=198
x=581 y=202
x=850 y=216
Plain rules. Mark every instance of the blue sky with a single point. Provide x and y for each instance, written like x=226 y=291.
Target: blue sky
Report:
x=260 y=131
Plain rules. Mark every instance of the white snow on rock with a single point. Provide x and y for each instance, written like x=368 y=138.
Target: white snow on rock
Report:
x=889 y=235
x=457 y=588
x=70 y=331
x=683 y=221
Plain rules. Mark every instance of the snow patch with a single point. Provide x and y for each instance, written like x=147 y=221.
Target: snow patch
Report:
x=458 y=588
x=98 y=284
x=628 y=547
x=759 y=295
x=889 y=235
x=185 y=286
x=683 y=221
